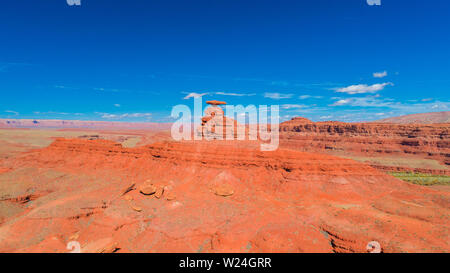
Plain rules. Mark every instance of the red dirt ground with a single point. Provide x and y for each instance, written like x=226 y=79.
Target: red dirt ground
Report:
x=210 y=197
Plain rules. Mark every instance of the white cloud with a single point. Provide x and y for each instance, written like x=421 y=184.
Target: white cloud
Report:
x=422 y=107
x=12 y=112
x=65 y=87
x=194 y=95
x=277 y=96
x=50 y=113
x=106 y=115
x=137 y=115
x=280 y=83
x=363 y=88
x=125 y=115
x=234 y=94
x=292 y=106
x=117 y=105
x=369 y=101
x=105 y=89
x=376 y=101
x=380 y=74
x=303 y=97
x=341 y=102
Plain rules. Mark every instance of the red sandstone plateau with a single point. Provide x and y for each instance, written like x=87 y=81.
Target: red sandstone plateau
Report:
x=159 y=195
x=425 y=146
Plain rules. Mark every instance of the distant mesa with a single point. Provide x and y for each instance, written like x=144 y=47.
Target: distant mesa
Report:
x=424 y=118
x=301 y=120
x=297 y=121
x=417 y=141
x=47 y=123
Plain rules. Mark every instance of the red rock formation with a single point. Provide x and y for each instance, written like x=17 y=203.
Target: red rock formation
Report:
x=372 y=139
x=215 y=125
x=45 y=123
x=228 y=199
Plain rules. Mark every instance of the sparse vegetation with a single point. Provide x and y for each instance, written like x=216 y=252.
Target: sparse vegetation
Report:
x=422 y=178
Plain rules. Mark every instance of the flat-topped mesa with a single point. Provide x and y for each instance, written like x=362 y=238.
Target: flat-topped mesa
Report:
x=301 y=120
x=294 y=123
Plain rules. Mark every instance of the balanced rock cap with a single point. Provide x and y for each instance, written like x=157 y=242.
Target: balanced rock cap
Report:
x=216 y=102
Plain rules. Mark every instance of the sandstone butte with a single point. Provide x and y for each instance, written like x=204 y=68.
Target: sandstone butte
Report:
x=214 y=124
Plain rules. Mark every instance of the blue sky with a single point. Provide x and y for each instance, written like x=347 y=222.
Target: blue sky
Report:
x=134 y=60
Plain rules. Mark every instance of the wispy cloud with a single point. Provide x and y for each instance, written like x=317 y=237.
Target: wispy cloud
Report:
x=50 y=113
x=400 y=107
x=12 y=112
x=194 y=95
x=363 y=88
x=277 y=96
x=125 y=115
x=102 y=89
x=280 y=83
x=325 y=117
x=272 y=82
x=304 y=97
x=65 y=87
x=293 y=106
x=117 y=105
x=422 y=107
x=6 y=66
x=341 y=102
x=380 y=74
x=105 y=89
x=234 y=94
x=368 y=101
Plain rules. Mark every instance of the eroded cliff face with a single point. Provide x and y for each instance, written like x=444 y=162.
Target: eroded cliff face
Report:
x=372 y=139
x=210 y=196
